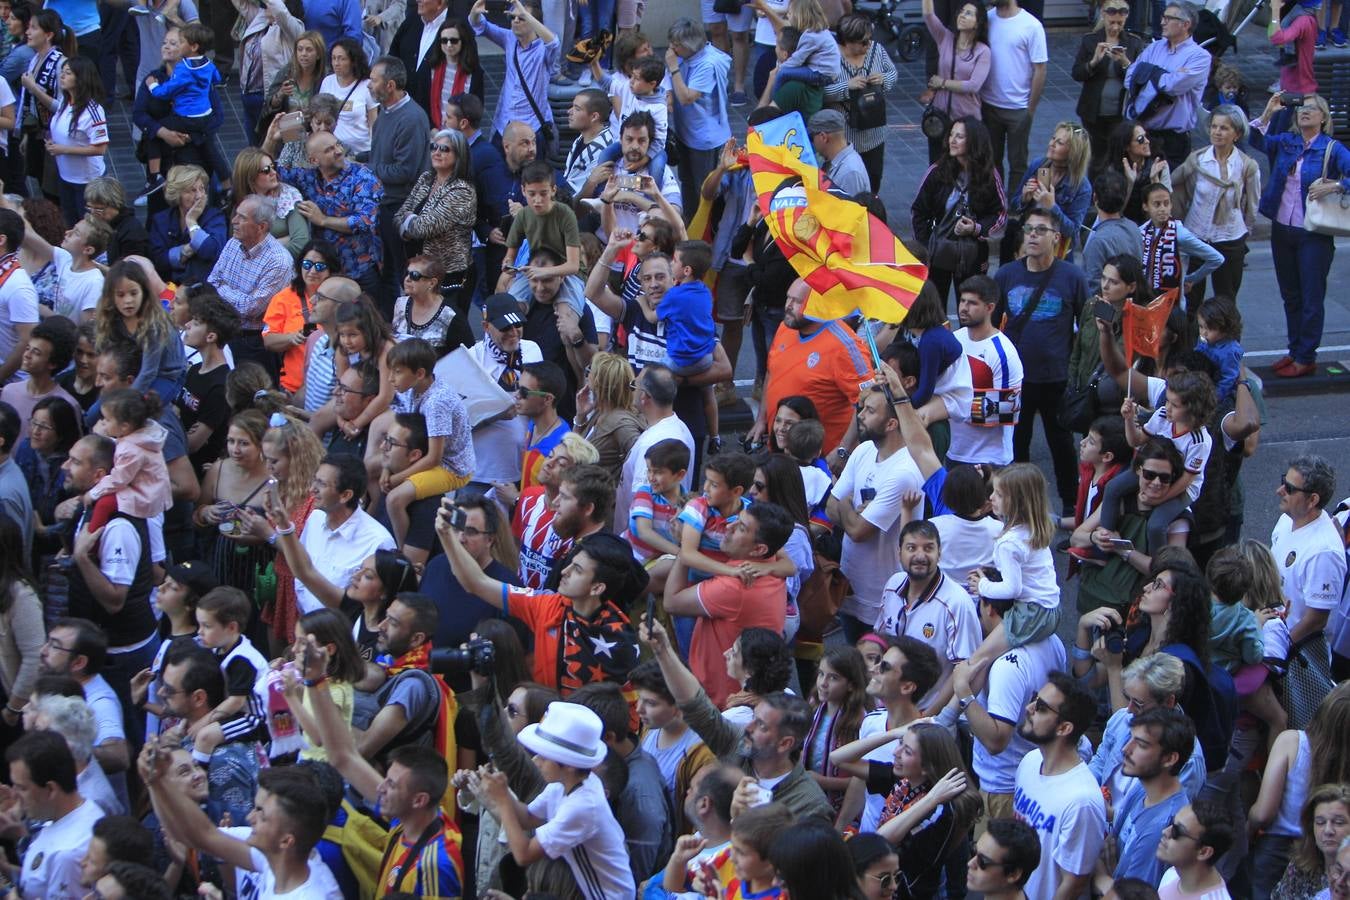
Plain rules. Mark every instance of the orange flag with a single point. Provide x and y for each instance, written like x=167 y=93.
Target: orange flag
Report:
x=1142 y=326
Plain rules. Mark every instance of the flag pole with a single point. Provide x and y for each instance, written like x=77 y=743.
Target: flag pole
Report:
x=876 y=359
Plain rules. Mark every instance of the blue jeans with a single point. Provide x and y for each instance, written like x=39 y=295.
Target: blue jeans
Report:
x=72 y=201
x=594 y=17
x=1302 y=264
x=1266 y=864
x=764 y=322
x=253 y=107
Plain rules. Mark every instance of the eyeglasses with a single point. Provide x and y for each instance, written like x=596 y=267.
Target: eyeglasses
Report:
x=343 y=389
x=1167 y=18
x=1138 y=705
x=414 y=275
x=1293 y=489
x=526 y=392
x=758 y=485
x=450 y=40
x=1152 y=475
x=1141 y=139
x=644 y=236
x=442 y=148
x=887 y=880
x=1179 y=833
x=473 y=533
x=165 y=690
x=1041 y=706
x=266 y=170
x=983 y=862
x=1117 y=10
x=310 y=265
x=1039 y=230
x=1158 y=584
x=387 y=442
x=35 y=425
x=57 y=645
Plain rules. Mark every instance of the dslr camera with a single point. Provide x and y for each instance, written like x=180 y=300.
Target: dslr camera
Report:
x=476 y=656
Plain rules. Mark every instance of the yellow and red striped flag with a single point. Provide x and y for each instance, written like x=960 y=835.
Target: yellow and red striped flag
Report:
x=850 y=259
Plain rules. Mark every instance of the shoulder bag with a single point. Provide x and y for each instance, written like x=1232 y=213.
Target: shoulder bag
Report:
x=1013 y=327
x=949 y=251
x=867 y=107
x=1331 y=214
x=545 y=126
x=935 y=122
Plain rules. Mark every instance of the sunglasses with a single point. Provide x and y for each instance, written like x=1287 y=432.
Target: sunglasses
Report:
x=414 y=275
x=983 y=862
x=1039 y=230
x=1041 y=706
x=266 y=170
x=1179 y=833
x=644 y=236
x=442 y=148
x=1141 y=139
x=389 y=443
x=1291 y=489
x=526 y=392
x=887 y=880
x=1117 y=10
x=450 y=40
x=310 y=265
x=1151 y=475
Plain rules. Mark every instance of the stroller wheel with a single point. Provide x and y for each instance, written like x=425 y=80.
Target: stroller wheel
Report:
x=910 y=45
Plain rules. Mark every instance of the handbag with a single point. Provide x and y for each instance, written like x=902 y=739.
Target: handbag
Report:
x=1079 y=407
x=545 y=125
x=867 y=108
x=949 y=251
x=935 y=122
x=1331 y=214
x=1307 y=679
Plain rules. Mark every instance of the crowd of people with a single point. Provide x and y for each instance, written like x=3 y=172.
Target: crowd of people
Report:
x=367 y=527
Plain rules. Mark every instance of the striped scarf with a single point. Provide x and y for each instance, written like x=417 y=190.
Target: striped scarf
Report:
x=1162 y=262
x=443 y=733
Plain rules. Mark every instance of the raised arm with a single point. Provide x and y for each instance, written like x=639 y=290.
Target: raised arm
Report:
x=336 y=735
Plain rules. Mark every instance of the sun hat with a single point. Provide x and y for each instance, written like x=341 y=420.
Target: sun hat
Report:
x=570 y=735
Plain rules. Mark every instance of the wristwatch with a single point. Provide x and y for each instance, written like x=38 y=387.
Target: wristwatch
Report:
x=841 y=454
x=963 y=702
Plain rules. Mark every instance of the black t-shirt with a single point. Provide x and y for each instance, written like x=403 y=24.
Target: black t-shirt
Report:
x=924 y=851
x=421 y=524
x=542 y=327
x=67 y=381
x=202 y=400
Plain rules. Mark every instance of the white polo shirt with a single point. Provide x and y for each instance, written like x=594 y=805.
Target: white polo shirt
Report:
x=338 y=553
x=944 y=618
x=1311 y=561
x=51 y=866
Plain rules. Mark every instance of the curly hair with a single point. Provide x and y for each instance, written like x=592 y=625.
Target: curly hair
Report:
x=1196 y=392
x=302 y=448
x=355 y=53
x=766 y=659
x=44 y=217
x=1188 y=618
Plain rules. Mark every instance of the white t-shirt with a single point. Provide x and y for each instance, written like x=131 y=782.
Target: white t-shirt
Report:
x=875 y=723
x=261 y=885
x=1194 y=447
x=75 y=291
x=51 y=867
x=353 y=124
x=6 y=98
x=945 y=618
x=1017 y=43
x=107 y=709
x=868 y=564
x=18 y=306
x=1069 y=815
x=996 y=379
x=1013 y=678
x=1311 y=560
x=954 y=387
x=498 y=445
x=966 y=545
x=635 y=465
x=90 y=129
x=764 y=33
x=1170 y=889
x=580 y=828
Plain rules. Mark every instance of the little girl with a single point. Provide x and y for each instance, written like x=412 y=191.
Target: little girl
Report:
x=332 y=631
x=840 y=702
x=362 y=335
x=1189 y=404
x=138 y=484
x=129 y=310
x=1022 y=556
x=816 y=58
x=1220 y=339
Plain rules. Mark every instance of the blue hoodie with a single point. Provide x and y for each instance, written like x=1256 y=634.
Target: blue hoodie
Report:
x=190 y=87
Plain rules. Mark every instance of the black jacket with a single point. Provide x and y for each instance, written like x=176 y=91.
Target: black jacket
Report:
x=1095 y=78
x=407 y=41
x=129 y=237
x=930 y=205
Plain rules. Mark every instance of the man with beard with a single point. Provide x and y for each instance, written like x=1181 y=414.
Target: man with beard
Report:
x=1161 y=740
x=542 y=386
x=581 y=633
x=995 y=372
x=1194 y=841
x=707 y=807
x=532 y=522
x=1055 y=792
x=410 y=701
x=865 y=501
x=581 y=508
x=635 y=140
x=830 y=371
x=503 y=354
x=923 y=603
x=726 y=605
x=767 y=751
x=566 y=339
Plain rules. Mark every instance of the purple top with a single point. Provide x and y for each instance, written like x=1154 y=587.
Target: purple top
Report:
x=1187 y=72
x=971 y=69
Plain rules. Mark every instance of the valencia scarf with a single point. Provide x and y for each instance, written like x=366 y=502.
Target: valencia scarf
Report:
x=443 y=733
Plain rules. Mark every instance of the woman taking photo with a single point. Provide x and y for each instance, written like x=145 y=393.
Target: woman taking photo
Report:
x=1325 y=823
x=1302 y=257
x=959 y=202
x=424 y=312
x=605 y=414
x=865 y=65
x=296 y=83
x=289 y=318
x=964 y=59
x=1214 y=193
x=455 y=68
x=1129 y=152
x=255 y=172
x=349 y=81
x=1103 y=56
x=53 y=428
x=22 y=632
x=1058 y=181
x=439 y=215
x=186 y=239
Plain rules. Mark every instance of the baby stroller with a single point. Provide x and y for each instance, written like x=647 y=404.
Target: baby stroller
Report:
x=898 y=25
x=1221 y=21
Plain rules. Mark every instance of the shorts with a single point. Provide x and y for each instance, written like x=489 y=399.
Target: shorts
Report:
x=740 y=22
x=996 y=806
x=733 y=287
x=1027 y=623
x=437 y=481
x=697 y=367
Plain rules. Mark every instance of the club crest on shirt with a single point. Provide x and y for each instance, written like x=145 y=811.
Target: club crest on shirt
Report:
x=1289 y=560
x=929 y=631
x=813 y=360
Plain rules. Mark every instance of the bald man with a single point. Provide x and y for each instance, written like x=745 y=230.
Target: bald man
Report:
x=320 y=375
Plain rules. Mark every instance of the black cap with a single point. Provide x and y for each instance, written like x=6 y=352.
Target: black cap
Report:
x=194 y=575
x=503 y=312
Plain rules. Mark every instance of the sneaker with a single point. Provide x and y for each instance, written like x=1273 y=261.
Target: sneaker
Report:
x=153 y=184
x=739 y=98
x=1321 y=40
x=1338 y=38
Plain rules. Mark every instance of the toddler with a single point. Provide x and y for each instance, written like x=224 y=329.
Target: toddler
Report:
x=138 y=484
x=1220 y=339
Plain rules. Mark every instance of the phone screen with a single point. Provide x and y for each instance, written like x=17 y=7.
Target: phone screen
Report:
x=1104 y=310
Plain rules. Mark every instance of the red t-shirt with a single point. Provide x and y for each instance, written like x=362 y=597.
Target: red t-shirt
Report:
x=532 y=524
x=733 y=607
x=570 y=651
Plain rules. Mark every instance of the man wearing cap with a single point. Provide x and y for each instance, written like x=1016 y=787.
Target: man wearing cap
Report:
x=571 y=817
x=840 y=162
x=503 y=354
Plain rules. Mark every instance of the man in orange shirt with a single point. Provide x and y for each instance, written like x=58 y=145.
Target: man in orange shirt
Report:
x=823 y=361
x=727 y=605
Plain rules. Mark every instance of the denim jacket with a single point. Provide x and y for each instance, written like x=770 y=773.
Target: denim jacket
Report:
x=1284 y=150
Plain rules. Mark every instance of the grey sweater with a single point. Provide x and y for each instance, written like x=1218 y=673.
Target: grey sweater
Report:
x=399 y=149
x=1109 y=238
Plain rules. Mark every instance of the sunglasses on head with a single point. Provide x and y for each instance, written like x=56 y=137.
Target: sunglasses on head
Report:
x=309 y=264
x=1151 y=475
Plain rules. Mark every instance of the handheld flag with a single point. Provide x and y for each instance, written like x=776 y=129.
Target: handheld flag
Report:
x=849 y=258
x=1142 y=326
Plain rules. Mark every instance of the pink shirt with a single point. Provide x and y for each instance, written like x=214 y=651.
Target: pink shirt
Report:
x=1291 y=198
x=1302 y=33
x=139 y=476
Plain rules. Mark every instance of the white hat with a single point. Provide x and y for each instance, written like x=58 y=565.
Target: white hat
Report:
x=570 y=735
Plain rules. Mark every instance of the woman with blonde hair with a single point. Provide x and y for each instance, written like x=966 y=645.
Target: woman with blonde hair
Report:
x=1058 y=181
x=605 y=414
x=294 y=87
x=255 y=172
x=186 y=239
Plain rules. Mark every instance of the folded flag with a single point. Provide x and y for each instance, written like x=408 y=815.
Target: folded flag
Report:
x=1142 y=326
